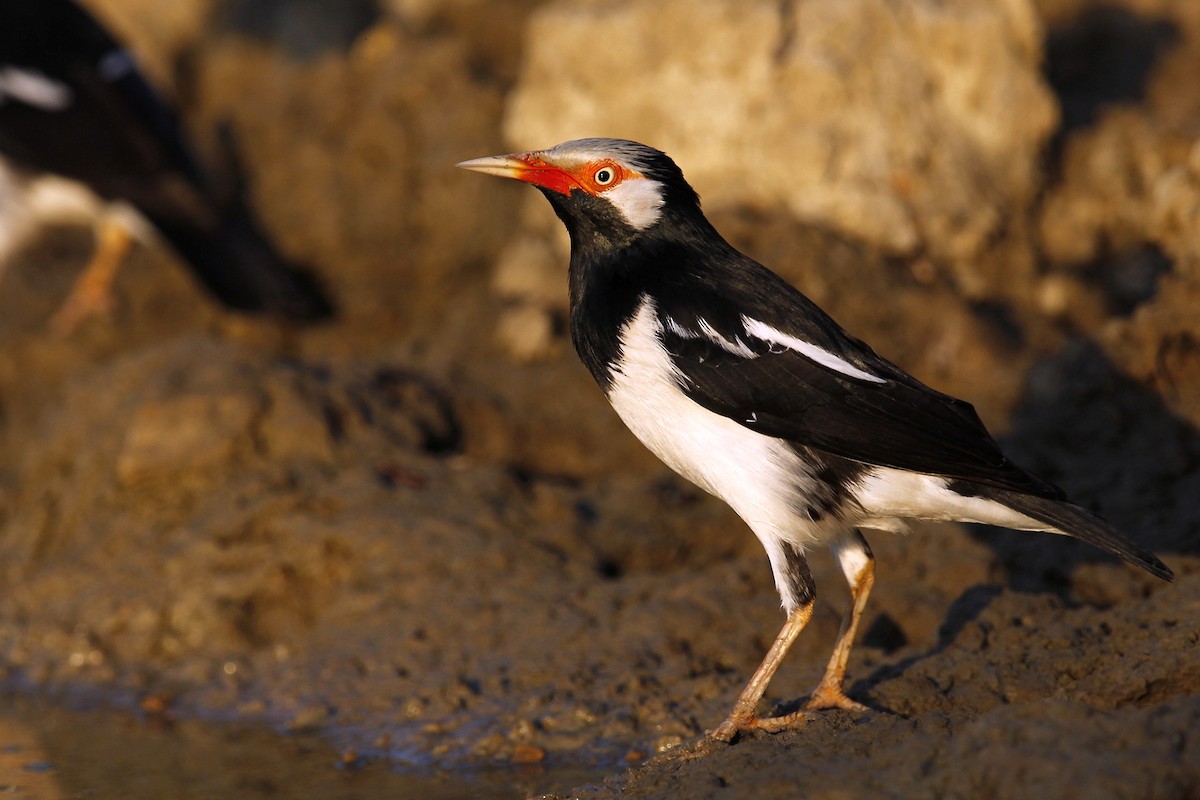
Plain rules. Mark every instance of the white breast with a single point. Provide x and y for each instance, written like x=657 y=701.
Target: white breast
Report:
x=758 y=476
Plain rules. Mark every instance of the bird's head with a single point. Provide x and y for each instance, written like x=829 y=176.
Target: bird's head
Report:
x=610 y=190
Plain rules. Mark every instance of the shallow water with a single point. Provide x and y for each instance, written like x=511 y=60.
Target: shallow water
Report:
x=48 y=751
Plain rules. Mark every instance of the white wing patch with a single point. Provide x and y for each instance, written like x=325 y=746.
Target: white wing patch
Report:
x=762 y=330
x=707 y=331
x=33 y=88
x=777 y=339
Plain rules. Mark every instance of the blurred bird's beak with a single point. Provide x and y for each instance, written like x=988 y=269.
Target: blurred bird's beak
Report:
x=527 y=167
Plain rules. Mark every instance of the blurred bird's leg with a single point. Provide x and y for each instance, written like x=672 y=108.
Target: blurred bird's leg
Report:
x=742 y=717
x=858 y=563
x=92 y=293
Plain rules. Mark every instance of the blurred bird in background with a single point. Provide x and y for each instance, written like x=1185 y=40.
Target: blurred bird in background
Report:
x=74 y=106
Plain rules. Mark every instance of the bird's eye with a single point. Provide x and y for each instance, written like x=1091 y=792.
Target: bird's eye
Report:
x=604 y=176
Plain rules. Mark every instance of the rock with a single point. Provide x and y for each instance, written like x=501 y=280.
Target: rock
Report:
x=1102 y=205
x=191 y=432
x=1174 y=214
x=210 y=452
x=294 y=428
x=351 y=163
x=1129 y=185
x=892 y=124
x=527 y=332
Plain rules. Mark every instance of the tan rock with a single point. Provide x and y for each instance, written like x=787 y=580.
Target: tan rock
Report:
x=351 y=163
x=891 y=123
x=1101 y=206
x=190 y=432
x=1174 y=213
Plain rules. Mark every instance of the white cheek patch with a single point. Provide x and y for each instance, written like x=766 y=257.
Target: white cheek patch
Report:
x=34 y=88
x=639 y=200
x=762 y=330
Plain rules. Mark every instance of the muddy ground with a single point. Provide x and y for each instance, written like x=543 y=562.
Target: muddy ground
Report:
x=429 y=549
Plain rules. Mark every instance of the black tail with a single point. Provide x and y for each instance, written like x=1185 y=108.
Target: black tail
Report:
x=235 y=262
x=1083 y=525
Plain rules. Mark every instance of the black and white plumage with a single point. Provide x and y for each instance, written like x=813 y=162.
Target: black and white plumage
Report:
x=73 y=103
x=744 y=386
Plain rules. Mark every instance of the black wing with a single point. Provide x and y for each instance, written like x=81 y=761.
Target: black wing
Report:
x=862 y=407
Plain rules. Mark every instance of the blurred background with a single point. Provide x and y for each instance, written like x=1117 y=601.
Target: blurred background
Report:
x=418 y=530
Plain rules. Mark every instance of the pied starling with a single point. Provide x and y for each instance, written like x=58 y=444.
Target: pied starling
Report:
x=746 y=388
x=73 y=103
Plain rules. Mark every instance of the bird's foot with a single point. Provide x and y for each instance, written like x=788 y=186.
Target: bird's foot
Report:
x=728 y=730
x=737 y=724
x=828 y=697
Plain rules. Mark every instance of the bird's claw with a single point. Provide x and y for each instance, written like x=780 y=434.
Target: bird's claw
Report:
x=830 y=697
x=735 y=725
x=728 y=730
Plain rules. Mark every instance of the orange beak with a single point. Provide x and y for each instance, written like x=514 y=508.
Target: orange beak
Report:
x=527 y=167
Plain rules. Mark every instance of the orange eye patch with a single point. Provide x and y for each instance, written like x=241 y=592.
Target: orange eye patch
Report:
x=600 y=176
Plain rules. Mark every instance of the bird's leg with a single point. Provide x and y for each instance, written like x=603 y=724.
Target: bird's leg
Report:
x=858 y=564
x=92 y=292
x=796 y=585
x=742 y=717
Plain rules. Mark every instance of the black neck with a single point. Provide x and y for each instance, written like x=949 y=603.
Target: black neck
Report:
x=607 y=282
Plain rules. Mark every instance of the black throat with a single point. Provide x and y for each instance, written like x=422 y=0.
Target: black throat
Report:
x=613 y=265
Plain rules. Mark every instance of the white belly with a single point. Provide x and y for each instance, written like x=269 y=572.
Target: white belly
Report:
x=758 y=476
